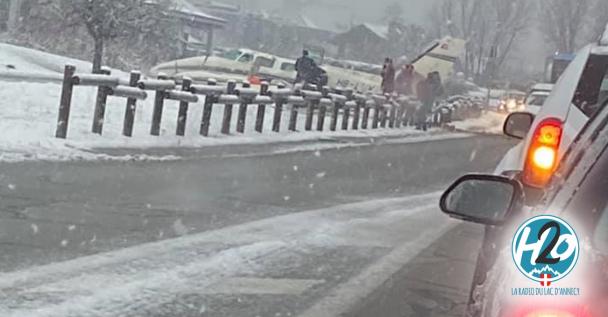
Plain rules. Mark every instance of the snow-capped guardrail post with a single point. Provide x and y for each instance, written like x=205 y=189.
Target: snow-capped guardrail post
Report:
x=400 y=109
x=376 y=117
x=293 y=115
x=369 y=103
x=392 y=114
x=312 y=98
x=259 y=119
x=184 y=96
x=334 y=116
x=131 y=107
x=228 y=108
x=280 y=96
x=246 y=94
x=100 y=104
x=359 y=104
x=324 y=102
x=65 y=102
x=384 y=104
x=182 y=115
x=157 y=114
x=210 y=99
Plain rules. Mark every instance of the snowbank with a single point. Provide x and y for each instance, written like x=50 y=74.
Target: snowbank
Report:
x=29 y=101
x=21 y=59
x=28 y=116
x=489 y=122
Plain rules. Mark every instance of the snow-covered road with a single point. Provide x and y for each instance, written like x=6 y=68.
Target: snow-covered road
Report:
x=256 y=258
x=311 y=233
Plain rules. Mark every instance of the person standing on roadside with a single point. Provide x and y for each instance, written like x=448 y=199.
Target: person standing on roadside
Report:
x=305 y=67
x=388 y=77
x=424 y=90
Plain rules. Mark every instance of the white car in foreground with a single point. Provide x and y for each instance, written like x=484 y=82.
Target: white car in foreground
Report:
x=547 y=135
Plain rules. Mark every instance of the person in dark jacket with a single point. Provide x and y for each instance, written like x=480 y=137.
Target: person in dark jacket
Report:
x=424 y=90
x=388 y=77
x=305 y=67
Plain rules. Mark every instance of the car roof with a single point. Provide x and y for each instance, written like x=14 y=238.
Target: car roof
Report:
x=604 y=39
x=540 y=93
x=258 y=53
x=543 y=86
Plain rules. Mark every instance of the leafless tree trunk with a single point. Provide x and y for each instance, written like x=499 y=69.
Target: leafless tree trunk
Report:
x=97 y=55
x=483 y=24
x=562 y=22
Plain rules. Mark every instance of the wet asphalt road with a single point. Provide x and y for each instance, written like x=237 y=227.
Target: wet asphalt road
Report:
x=53 y=211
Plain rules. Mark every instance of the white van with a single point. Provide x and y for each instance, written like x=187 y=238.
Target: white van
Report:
x=547 y=135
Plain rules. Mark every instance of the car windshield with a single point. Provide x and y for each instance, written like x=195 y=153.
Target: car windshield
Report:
x=272 y=158
x=232 y=55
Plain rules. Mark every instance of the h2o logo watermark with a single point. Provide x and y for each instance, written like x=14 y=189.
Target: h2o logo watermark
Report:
x=545 y=249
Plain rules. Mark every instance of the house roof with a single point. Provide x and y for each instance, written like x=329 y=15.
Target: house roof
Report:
x=186 y=10
x=364 y=31
x=380 y=30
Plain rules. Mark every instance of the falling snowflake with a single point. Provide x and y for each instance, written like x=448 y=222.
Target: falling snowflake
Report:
x=34 y=228
x=286 y=198
x=12 y=186
x=318 y=153
x=473 y=156
x=321 y=175
x=64 y=243
x=295 y=168
x=71 y=227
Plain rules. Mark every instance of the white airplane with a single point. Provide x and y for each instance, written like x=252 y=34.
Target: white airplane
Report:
x=247 y=64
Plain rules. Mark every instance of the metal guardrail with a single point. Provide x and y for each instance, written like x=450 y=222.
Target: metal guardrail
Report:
x=355 y=109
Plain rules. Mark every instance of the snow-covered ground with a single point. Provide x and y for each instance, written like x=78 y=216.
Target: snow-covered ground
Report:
x=489 y=122
x=28 y=116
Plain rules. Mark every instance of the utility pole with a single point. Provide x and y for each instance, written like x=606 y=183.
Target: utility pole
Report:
x=490 y=68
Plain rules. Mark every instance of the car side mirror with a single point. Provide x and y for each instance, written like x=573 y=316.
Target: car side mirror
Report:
x=484 y=199
x=518 y=124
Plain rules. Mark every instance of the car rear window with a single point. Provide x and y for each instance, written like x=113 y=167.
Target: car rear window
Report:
x=592 y=87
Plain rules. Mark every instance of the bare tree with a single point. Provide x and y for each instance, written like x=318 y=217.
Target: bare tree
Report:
x=487 y=26
x=68 y=26
x=393 y=13
x=599 y=16
x=562 y=22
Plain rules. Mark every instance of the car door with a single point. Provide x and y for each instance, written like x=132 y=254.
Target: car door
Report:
x=577 y=192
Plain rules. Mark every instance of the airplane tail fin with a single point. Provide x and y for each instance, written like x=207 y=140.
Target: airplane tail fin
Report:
x=440 y=56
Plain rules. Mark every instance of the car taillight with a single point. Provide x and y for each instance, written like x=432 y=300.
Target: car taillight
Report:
x=542 y=156
x=550 y=313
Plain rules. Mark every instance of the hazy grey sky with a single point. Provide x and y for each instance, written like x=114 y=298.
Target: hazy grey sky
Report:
x=346 y=11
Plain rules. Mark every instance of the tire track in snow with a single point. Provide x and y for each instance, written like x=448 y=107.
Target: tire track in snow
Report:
x=158 y=268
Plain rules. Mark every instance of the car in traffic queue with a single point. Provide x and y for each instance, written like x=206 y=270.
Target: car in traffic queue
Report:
x=512 y=101
x=574 y=99
x=537 y=97
x=577 y=195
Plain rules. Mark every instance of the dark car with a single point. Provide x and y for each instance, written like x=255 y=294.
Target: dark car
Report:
x=578 y=194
